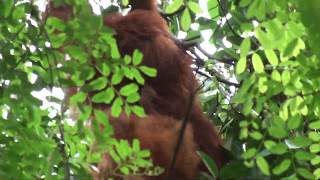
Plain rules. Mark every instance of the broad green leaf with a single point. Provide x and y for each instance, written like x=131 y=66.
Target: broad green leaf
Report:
x=116 y=107
x=117 y=77
x=277 y=132
x=314 y=136
x=315 y=160
x=137 y=57
x=249 y=153
x=294 y=47
x=244 y=3
x=272 y=57
x=176 y=5
x=213 y=8
x=101 y=117
x=305 y=173
x=5 y=7
x=275 y=75
x=104 y=96
x=151 y=72
x=279 y=149
x=136 y=145
x=138 y=110
x=315 y=148
x=263 y=165
x=137 y=76
x=245 y=47
x=301 y=141
x=209 y=162
x=241 y=65
x=256 y=135
x=185 y=20
x=315 y=125
x=282 y=167
x=127 y=72
x=132 y=98
x=294 y=122
x=285 y=76
x=79 y=97
x=127 y=59
x=98 y=83
x=129 y=89
x=104 y=69
x=194 y=7
x=302 y=155
x=257 y=63
x=19 y=12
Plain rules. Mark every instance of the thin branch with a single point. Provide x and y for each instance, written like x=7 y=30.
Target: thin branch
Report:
x=225 y=61
x=219 y=79
x=224 y=14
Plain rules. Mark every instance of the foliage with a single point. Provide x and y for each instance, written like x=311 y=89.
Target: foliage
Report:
x=261 y=88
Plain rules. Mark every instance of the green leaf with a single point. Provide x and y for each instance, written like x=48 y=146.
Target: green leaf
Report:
x=101 y=117
x=285 y=76
x=5 y=7
x=257 y=63
x=104 y=96
x=282 y=167
x=277 y=132
x=174 y=6
x=213 y=9
x=116 y=107
x=263 y=165
x=315 y=125
x=233 y=170
x=125 y=170
x=137 y=57
x=256 y=135
x=151 y=72
x=19 y=12
x=98 y=83
x=194 y=7
x=294 y=47
x=104 y=69
x=132 y=98
x=137 y=76
x=305 y=173
x=272 y=57
x=245 y=47
x=127 y=72
x=244 y=3
x=275 y=75
x=136 y=145
x=249 y=153
x=138 y=110
x=301 y=141
x=294 y=122
x=185 y=20
x=302 y=155
x=314 y=136
x=129 y=89
x=116 y=77
x=77 y=53
x=315 y=148
x=79 y=97
x=279 y=149
x=241 y=65
x=127 y=59
x=209 y=162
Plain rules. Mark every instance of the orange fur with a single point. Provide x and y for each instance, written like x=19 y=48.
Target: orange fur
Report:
x=165 y=98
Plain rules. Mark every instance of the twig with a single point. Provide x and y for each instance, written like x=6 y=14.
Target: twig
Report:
x=225 y=61
x=219 y=79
